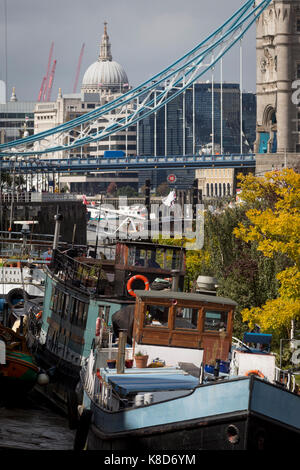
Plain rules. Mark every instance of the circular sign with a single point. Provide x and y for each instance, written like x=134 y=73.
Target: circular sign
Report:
x=171 y=178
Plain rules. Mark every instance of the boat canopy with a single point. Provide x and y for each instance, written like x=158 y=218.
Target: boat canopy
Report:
x=257 y=338
x=127 y=384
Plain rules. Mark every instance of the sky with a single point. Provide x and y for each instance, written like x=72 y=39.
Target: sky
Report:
x=145 y=35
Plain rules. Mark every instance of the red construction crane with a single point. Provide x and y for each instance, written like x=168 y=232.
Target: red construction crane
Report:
x=41 y=89
x=51 y=79
x=48 y=70
x=78 y=68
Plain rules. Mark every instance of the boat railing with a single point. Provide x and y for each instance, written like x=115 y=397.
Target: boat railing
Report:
x=103 y=394
x=100 y=391
x=77 y=273
x=286 y=379
x=238 y=343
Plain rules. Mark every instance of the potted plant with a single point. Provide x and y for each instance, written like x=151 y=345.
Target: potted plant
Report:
x=128 y=363
x=111 y=363
x=141 y=360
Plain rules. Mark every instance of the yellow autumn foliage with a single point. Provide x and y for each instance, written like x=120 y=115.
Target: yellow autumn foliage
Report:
x=274 y=225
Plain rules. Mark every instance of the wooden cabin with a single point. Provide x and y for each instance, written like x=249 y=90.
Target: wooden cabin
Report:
x=184 y=320
x=148 y=259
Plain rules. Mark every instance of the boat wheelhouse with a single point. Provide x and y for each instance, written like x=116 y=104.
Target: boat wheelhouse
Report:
x=183 y=324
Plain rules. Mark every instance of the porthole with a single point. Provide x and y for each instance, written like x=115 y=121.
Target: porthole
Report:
x=233 y=434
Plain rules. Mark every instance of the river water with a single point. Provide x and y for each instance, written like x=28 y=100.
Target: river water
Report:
x=33 y=425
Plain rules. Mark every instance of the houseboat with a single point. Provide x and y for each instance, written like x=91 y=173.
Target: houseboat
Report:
x=198 y=390
x=81 y=289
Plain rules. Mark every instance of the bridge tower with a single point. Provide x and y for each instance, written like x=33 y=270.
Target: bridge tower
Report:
x=278 y=68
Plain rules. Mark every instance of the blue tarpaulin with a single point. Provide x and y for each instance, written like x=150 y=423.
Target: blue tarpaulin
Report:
x=141 y=383
x=259 y=338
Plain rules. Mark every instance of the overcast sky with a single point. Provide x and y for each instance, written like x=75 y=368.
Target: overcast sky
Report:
x=146 y=36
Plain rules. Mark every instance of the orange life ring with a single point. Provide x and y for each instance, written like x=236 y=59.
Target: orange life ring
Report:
x=130 y=281
x=39 y=315
x=255 y=372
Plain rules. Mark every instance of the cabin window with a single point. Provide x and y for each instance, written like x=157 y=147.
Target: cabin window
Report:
x=156 y=259
x=131 y=256
x=148 y=258
x=62 y=301
x=156 y=315
x=106 y=317
x=140 y=258
x=137 y=256
x=215 y=320
x=104 y=313
x=80 y=313
x=52 y=301
x=85 y=314
x=59 y=303
x=101 y=311
x=72 y=301
x=74 y=310
x=152 y=259
x=172 y=259
x=66 y=306
x=186 y=318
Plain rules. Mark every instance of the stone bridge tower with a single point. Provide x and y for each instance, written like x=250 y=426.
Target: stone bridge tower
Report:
x=278 y=69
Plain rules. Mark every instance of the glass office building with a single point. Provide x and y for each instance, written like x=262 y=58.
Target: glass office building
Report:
x=15 y=119
x=199 y=120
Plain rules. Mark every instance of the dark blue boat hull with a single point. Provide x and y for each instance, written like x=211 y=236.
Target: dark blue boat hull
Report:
x=242 y=414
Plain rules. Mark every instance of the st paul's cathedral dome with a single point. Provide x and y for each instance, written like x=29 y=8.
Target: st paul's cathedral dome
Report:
x=105 y=73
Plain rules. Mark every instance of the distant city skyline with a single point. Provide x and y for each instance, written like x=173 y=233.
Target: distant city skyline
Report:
x=145 y=38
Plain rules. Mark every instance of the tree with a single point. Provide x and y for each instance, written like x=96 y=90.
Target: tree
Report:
x=5 y=180
x=163 y=189
x=111 y=189
x=273 y=226
x=243 y=273
x=128 y=191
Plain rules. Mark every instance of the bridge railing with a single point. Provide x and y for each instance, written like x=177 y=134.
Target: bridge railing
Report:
x=7 y=198
x=42 y=165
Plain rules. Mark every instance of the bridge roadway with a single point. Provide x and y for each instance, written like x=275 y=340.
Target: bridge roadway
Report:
x=132 y=163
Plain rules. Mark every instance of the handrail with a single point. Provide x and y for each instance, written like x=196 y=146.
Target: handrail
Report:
x=242 y=344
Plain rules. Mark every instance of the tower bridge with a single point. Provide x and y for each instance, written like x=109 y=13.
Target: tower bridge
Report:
x=278 y=42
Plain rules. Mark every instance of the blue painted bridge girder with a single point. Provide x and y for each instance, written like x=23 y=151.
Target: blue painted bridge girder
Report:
x=134 y=163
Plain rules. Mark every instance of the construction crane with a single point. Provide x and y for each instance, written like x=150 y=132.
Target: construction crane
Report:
x=51 y=79
x=44 y=85
x=48 y=70
x=78 y=68
x=41 y=89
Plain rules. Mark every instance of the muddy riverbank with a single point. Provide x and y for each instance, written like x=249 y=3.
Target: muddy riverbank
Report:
x=33 y=425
